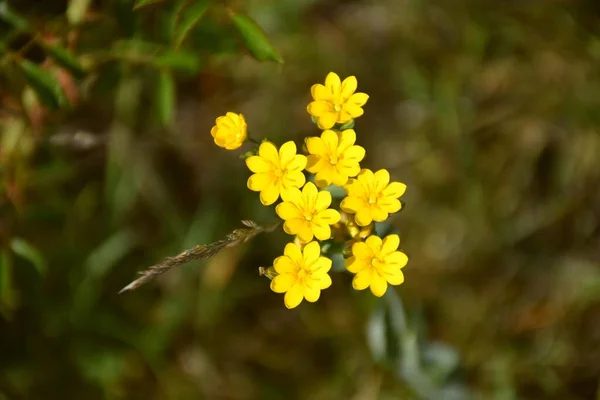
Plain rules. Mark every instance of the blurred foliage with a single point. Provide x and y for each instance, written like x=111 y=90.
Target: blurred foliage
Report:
x=487 y=109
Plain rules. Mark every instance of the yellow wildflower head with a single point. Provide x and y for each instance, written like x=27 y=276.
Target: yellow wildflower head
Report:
x=302 y=274
x=376 y=263
x=275 y=172
x=230 y=131
x=307 y=213
x=334 y=157
x=336 y=102
x=372 y=197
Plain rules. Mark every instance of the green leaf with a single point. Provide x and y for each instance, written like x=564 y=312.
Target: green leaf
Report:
x=191 y=16
x=165 y=98
x=66 y=59
x=254 y=38
x=76 y=10
x=143 y=3
x=45 y=85
x=25 y=250
x=183 y=61
x=7 y=299
x=157 y=55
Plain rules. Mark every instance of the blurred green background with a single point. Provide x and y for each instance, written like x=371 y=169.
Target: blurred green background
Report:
x=488 y=110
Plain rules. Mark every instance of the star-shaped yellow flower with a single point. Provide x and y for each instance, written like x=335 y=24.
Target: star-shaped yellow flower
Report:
x=336 y=102
x=230 y=131
x=377 y=263
x=275 y=172
x=302 y=274
x=334 y=157
x=372 y=197
x=307 y=213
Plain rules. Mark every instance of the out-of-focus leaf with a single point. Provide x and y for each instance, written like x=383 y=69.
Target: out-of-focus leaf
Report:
x=66 y=59
x=376 y=337
x=27 y=251
x=45 y=85
x=154 y=54
x=142 y=3
x=76 y=10
x=182 y=61
x=11 y=17
x=165 y=97
x=192 y=14
x=6 y=290
x=254 y=38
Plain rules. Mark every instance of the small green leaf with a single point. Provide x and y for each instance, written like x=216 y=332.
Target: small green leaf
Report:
x=192 y=14
x=143 y=3
x=25 y=250
x=254 y=38
x=154 y=54
x=66 y=59
x=45 y=85
x=183 y=61
x=165 y=98
x=76 y=10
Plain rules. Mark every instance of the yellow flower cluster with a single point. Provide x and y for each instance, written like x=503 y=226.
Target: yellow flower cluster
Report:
x=307 y=208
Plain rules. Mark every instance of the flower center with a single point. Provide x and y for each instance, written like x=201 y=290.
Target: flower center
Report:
x=376 y=263
x=278 y=173
x=302 y=274
x=308 y=215
x=372 y=198
x=337 y=107
x=333 y=159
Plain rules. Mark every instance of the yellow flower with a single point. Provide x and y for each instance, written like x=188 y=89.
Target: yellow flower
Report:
x=306 y=213
x=372 y=197
x=275 y=172
x=376 y=263
x=334 y=157
x=230 y=131
x=336 y=102
x=302 y=274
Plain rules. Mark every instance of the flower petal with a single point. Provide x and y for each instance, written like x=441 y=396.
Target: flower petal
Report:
x=311 y=253
x=284 y=265
x=286 y=153
x=305 y=232
x=319 y=92
x=378 y=285
x=390 y=244
x=322 y=200
x=375 y=243
x=268 y=151
x=333 y=83
x=319 y=108
x=349 y=86
x=394 y=189
x=354 y=153
x=353 y=110
x=397 y=259
x=359 y=99
x=293 y=179
x=352 y=204
x=363 y=216
x=389 y=206
x=382 y=179
x=288 y=210
x=270 y=194
x=316 y=145
x=331 y=141
x=258 y=182
x=282 y=283
x=258 y=164
x=395 y=278
x=355 y=265
x=321 y=266
x=327 y=120
x=309 y=194
x=323 y=282
x=327 y=217
x=362 y=251
x=363 y=279
x=294 y=252
x=378 y=213
x=321 y=231
x=293 y=297
x=346 y=140
x=311 y=294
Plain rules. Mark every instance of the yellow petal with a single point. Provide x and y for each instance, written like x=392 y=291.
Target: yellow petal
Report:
x=298 y=163
x=394 y=189
x=321 y=231
x=293 y=179
x=318 y=108
x=319 y=92
x=325 y=176
x=363 y=279
x=268 y=151
x=282 y=283
x=258 y=182
x=397 y=259
x=349 y=86
x=214 y=131
x=338 y=177
x=311 y=294
x=322 y=200
x=382 y=179
x=315 y=145
x=287 y=210
x=396 y=278
x=311 y=253
x=378 y=213
x=359 y=99
x=352 y=204
x=375 y=243
x=356 y=188
x=323 y=282
x=355 y=265
x=363 y=216
x=327 y=120
x=353 y=110
x=354 y=153
x=284 y=265
x=348 y=169
x=366 y=177
x=293 y=252
x=362 y=251
x=347 y=139
x=287 y=153
x=293 y=226
x=331 y=141
x=390 y=244
x=327 y=217
x=291 y=195
x=316 y=163
x=293 y=297
x=258 y=164
x=305 y=231
x=333 y=83
x=269 y=194
x=320 y=267
x=378 y=285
